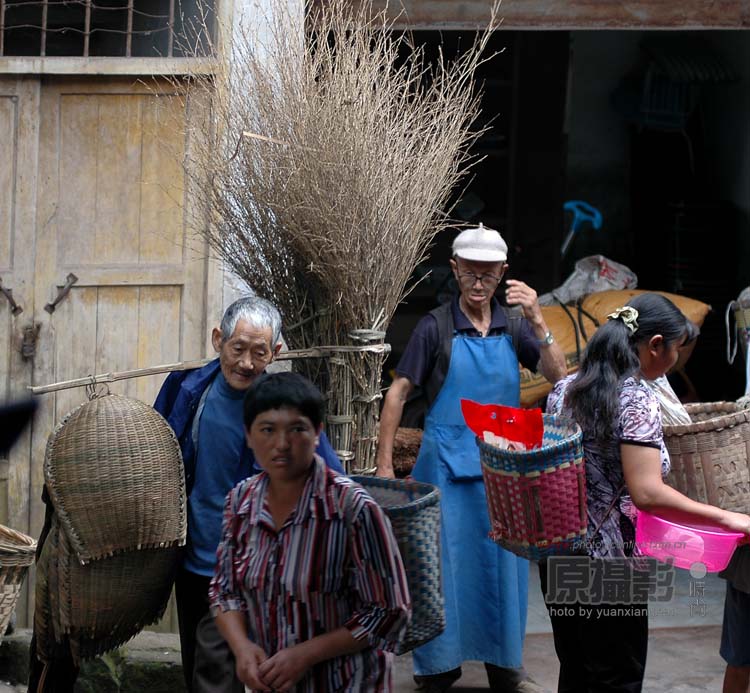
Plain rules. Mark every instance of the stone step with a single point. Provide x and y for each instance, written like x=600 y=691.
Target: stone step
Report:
x=149 y=662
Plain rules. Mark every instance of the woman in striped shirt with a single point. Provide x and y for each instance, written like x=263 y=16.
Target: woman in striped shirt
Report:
x=309 y=589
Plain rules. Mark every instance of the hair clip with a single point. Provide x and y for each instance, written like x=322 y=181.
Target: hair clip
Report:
x=628 y=315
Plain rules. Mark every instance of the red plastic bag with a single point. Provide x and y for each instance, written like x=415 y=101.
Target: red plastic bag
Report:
x=522 y=426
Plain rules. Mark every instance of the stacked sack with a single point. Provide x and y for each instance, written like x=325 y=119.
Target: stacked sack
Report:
x=114 y=475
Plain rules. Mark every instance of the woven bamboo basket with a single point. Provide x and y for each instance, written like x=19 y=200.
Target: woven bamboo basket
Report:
x=711 y=456
x=98 y=606
x=16 y=555
x=414 y=511
x=537 y=498
x=115 y=476
x=112 y=472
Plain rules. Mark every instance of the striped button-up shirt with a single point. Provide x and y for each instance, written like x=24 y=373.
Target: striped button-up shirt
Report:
x=333 y=563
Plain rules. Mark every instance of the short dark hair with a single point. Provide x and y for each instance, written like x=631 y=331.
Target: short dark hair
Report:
x=283 y=390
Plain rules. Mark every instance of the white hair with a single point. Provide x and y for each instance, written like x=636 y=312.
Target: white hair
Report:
x=260 y=313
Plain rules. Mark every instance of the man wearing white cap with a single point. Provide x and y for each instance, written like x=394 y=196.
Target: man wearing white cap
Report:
x=470 y=348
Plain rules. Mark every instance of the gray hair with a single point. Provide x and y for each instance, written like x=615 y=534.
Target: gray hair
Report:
x=260 y=313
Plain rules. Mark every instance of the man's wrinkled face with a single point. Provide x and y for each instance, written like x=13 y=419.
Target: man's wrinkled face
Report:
x=245 y=355
x=477 y=281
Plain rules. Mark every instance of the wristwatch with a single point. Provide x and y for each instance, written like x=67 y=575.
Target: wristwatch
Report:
x=547 y=340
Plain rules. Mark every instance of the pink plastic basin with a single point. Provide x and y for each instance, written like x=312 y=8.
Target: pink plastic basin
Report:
x=685 y=544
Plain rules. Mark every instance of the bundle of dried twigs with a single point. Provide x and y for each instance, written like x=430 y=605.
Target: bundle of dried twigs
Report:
x=326 y=170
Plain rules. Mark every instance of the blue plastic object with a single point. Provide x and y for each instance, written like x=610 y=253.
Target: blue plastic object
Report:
x=582 y=213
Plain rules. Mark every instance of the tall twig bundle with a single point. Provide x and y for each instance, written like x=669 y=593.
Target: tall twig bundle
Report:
x=326 y=169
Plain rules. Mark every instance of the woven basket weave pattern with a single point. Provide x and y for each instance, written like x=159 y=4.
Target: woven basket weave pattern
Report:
x=711 y=456
x=112 y=474
x=16 y=555
x=414 y=511
x=107 y=602
x=101 y=605
x=537 y=498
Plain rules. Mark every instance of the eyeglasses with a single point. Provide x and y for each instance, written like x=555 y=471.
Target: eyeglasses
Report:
x=488 y=281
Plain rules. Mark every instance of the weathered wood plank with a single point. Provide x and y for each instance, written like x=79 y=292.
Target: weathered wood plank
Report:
x=161 y=184
x=126 y=274
x=570 y=14
x=158 y=335
x=77 y=117
x=118 y=179
x=75 y=343
x=106 y=66
x=8 y=135
x=19 y=486
x=50 y=218
x=117 y=331
x=198 y=279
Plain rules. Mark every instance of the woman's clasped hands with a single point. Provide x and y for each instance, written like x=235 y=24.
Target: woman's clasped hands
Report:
x=279 y=672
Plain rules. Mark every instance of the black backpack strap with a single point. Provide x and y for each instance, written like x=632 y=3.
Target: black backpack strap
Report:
x=444 y=317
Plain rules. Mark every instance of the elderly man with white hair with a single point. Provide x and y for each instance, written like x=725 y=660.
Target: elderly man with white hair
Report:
x=470 y=348
x=204 y=408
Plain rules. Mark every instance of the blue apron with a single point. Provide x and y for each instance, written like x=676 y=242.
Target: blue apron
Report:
x=486 y=587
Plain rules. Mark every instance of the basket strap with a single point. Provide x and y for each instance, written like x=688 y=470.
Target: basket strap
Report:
x=609 y=510
x=731 y=352
x=581 y=313
x=576 y=332
x=434 y=382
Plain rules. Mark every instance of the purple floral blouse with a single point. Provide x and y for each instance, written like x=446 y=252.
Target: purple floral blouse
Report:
x=639 y=423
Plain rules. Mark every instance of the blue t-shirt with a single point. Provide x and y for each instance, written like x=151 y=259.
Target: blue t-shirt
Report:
x=219 y=468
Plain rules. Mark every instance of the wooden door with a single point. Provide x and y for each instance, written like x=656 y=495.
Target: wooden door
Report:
x=19 y=128
x=109 y=210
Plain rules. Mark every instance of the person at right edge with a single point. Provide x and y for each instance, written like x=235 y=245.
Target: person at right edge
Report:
x=470 y=348
x=602 y=648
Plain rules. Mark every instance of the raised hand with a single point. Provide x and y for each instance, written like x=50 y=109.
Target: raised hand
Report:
x=521 y=294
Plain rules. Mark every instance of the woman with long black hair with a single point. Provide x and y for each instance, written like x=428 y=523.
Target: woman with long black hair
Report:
x=601 y=639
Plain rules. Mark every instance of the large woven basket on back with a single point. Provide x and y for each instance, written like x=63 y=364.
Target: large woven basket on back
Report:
x=711 y=456
x=537 y=498
x=16 y=555
x=111 y=471
x=114 y=473
x=414 y=511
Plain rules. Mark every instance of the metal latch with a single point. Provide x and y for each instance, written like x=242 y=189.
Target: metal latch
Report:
x=28 y=344
x=8 y=293
x=62 y=293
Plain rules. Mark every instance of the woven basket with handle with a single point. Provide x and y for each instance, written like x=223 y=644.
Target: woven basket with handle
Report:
x=537 y=498
x=711 y=456
x=115 y=476
x=414 y=511
x=16 y=555
x=111 y=472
